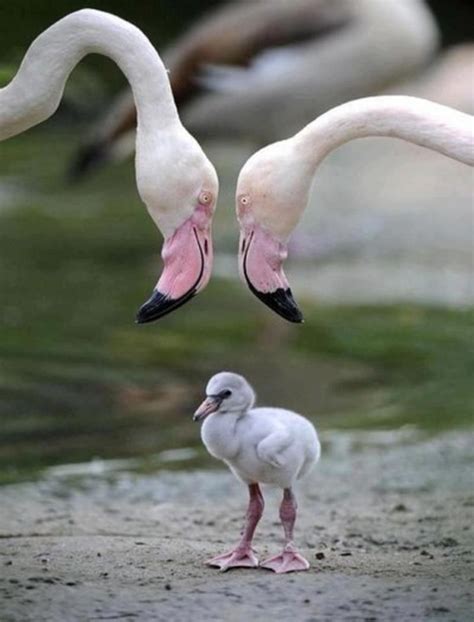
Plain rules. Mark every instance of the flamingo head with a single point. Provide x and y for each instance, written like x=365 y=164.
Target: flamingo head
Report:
x=272 y=193
x=181 y=200
x=226 y=392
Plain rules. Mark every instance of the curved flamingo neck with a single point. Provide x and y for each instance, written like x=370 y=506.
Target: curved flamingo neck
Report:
x=415 y=120
x=36 y=90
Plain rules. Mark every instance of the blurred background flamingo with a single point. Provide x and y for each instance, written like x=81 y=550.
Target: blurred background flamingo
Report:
x=257 y=71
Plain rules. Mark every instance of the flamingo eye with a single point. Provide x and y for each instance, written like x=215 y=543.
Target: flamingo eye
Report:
x=225 y=394
x=245 y=200
x=205 y=198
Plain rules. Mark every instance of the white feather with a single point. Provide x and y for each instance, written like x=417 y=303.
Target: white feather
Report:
x=260 y=445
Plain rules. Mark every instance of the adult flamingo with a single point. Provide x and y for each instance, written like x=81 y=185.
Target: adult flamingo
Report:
x=274 y=184
x=175 y=179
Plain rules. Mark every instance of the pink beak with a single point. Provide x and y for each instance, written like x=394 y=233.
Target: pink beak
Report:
x=187 y=257
x=210 y=405
x=261 y=258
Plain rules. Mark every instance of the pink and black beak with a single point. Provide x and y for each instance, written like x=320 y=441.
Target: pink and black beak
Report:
x=187 y=257
x=159 y=305
x=261 y=257
x=210 y=405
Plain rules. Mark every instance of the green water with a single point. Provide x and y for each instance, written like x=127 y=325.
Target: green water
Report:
x=78 y=379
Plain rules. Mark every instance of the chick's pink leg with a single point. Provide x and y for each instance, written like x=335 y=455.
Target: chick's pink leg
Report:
x=242 y=555
x=289 y=560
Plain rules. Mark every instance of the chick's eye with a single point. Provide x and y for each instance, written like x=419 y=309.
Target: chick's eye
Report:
x=226 y=393
x=205 y=198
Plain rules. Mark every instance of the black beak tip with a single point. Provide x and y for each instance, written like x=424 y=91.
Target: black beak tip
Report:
x=152 y=308
x=160 y=305
x=282 y=302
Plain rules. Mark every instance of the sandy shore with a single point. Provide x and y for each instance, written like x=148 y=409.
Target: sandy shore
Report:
x=384 y=521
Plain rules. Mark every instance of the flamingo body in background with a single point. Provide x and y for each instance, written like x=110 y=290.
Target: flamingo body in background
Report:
x=175 y=180
x=447 y=81
x=258 y=70
x=274 y=184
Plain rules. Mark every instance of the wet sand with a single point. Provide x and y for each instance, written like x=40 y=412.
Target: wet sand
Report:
x=385 y=521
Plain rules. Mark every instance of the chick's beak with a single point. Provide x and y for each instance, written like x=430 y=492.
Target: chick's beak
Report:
x=210 y=405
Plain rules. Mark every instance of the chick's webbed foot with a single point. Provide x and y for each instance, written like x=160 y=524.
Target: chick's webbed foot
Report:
x=240 y=557
x=289 y=560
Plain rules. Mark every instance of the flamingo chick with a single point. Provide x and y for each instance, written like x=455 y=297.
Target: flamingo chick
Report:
x=260 y=446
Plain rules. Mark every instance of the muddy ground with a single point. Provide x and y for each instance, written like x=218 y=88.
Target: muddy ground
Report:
x=385 y=520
